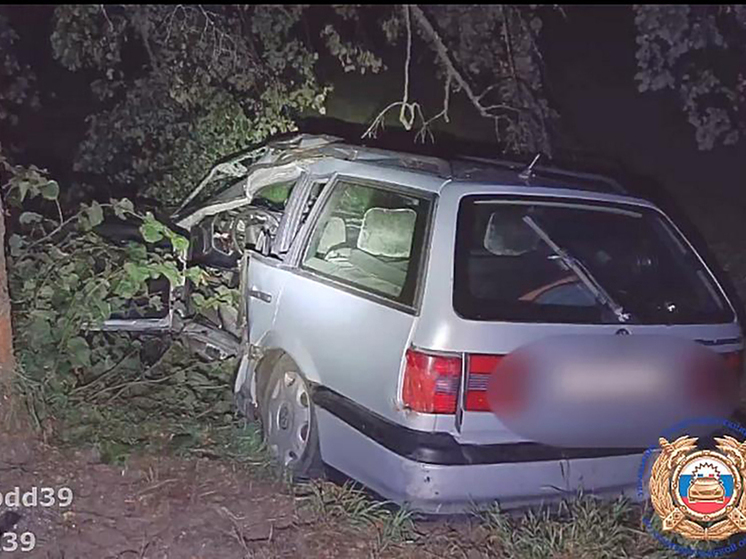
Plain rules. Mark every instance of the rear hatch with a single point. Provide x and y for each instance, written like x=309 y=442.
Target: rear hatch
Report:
x=579 y=323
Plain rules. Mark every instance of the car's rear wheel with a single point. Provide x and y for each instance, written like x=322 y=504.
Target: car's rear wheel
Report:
x=289 y=422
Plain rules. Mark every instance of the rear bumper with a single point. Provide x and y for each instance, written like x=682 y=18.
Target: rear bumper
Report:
x=435 y=474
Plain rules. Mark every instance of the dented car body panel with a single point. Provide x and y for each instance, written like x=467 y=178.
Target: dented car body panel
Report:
x=360 y=267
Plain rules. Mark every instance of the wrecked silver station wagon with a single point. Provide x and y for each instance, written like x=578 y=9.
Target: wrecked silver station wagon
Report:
x=381 y=293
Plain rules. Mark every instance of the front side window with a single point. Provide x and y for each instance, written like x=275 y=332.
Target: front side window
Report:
x=274 y=196
x=370 y=238
x=530 y=261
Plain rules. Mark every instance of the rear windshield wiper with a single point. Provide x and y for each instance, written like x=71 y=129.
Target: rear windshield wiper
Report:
x=572 y=263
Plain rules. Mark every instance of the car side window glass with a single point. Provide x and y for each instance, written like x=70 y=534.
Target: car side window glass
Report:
x=370 y=238
x=274 y=196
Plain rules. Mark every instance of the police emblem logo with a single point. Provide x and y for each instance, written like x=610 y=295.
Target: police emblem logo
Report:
x=699 y=493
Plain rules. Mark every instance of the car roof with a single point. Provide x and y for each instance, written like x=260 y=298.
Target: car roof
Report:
x=324 y=154
x=455 y=172
x=457 y=168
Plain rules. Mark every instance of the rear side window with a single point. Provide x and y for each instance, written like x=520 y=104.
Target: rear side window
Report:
x=371 y=238
x=577 y=262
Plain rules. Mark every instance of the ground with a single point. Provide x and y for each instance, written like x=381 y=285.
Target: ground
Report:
x=169 y=507
x=163 y=507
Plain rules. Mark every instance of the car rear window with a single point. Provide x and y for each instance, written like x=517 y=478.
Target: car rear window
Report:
x=567 y=262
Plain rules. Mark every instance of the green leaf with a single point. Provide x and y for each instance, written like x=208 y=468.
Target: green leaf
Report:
x=121 y=207
x=15 y=242
x=180 y=244
x=171 y=272
x=29 y=217
x=23 y=188
x=138 y=273
x=84 y=223
x=104 y=309
x=199 y=300
x=196 y=275
x=39 y=330
x=80 y=353
x=95 y=214
x=51 y=190
x=151 y=231
x=46 y=292
x=126 y=288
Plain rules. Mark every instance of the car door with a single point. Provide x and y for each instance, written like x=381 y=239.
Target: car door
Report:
x=267 y=268
x=349 y=305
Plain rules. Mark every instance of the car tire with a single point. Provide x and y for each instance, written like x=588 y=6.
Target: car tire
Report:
x=289 y=422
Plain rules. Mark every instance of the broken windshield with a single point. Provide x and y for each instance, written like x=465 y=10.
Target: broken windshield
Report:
x=578 y=262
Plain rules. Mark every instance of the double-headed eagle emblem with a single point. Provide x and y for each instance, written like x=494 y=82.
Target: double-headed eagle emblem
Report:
x=699 y=494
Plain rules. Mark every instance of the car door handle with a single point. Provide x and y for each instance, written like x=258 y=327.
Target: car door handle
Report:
x=261 y=295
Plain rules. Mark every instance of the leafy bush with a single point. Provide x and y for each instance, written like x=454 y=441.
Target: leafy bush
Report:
x=108 y=388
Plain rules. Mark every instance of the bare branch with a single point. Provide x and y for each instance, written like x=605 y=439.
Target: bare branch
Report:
x=443 y=55
x=408 y=112
x=405 y=106
x=497 y=109
x=425 y=129
x=378 y=122
x=506 y=38
x=106 y=15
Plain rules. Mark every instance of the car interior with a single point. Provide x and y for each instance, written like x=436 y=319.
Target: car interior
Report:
x=374 y=254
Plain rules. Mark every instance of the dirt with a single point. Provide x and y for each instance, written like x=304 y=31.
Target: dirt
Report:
x=161 y=507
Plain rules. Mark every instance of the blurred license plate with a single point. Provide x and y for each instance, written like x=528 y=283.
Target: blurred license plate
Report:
x=586 y=382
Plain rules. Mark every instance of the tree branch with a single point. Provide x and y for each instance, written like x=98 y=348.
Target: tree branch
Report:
x=443 y=55
x=408 y=112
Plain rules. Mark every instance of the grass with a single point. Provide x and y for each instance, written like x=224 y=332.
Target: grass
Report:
x=176 y=405
x=581 y=528
x=350 y=506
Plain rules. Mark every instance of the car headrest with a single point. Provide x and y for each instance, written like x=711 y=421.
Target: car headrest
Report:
x=387 y=232
x=508 y=235
x=334 y=233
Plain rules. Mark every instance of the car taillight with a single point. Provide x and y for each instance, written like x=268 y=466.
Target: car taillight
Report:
x=480 y=369
x=496 y=383
x=431 y=382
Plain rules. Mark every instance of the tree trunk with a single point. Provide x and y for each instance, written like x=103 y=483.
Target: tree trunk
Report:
x=7 y=360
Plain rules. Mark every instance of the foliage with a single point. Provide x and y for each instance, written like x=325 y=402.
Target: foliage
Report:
x=697 y=51
x=65 y=280
x=206 y=81
x=180 y=87
x=177 y=404
x=17 y=90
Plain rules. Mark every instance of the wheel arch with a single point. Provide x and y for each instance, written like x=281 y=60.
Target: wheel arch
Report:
x=274 y=349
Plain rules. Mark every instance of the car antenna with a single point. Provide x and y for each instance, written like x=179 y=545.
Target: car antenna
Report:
x=528 y=172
